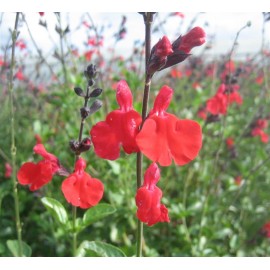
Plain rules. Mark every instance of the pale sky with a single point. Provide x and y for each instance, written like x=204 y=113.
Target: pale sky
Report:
x=223 y=25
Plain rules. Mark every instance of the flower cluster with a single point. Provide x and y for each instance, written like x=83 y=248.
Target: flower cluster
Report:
x=163 y=138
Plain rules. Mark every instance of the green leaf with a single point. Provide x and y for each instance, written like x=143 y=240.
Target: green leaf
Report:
x=56 y=209
x=96 y=213
x=13 y=246
x=98 y=249
x=115 y=166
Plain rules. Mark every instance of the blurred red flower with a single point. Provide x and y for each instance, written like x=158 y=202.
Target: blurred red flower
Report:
x=164 y=137
x=219 y=102
x=257 y=130
x=41 y=13
x=88 y=55
x=120 y=127
x=80 y=189
x=21 y=44
x=19 y=75
x=148 y=197
x=202 y=113
x=8 y=170
x=230 y=142
x=266 y=229
x=38 y=175
x=176 y=73
x=238 y=180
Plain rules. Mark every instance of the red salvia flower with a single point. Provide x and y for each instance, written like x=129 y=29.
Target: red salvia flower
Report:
x=88 y=55
x=202 y=113
x=176 y=73
x=80 y=189
x=258 y=130
x=261 y=123
x=21 y=44
x=40 y=174
x=183 y=45
x=230 y=142
x=120 y=127
x=234 y=97
x=8 y=170
x=148 y=197
x=163 y=48
x=266 y=229
x=195 y=37
x=19 y=75
x=165 y=137
x=238 y=180
x=218 y=103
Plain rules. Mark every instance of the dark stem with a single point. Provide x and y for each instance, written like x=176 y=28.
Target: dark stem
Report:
x=74 y=208
x=148 y=19
x=13 y=149
x=61 y=35
x=37 y=48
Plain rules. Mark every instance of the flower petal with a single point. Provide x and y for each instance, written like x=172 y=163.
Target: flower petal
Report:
x=165 y=138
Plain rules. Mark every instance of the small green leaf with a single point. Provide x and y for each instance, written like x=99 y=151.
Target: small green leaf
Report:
x=115 y=166
x=96 y=213
x=13 y=246
x=98 y=249
x=56 y=209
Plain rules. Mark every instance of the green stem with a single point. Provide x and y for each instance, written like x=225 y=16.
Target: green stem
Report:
x=74 y=235
x=13 y=145
x=148 y=19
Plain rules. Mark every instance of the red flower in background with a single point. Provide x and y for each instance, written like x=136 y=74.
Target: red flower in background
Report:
x=218 y=103
x=21 y=44
x=238 y=180
x=266 y=229
x=38 y=175
x=164 y=137
x=258 y=130
x=88 y=55
x=41 y=13
x=80 y=189
x=120 y=127
x=148 y=197
x=8 y=170
x=202 y=113
x=19 y=75
x=230 y=142
x=176 y=73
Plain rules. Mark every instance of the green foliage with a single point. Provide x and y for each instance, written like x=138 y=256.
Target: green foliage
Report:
x=98 y=249
x=13 y=246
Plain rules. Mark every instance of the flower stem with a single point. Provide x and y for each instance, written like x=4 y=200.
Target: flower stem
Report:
x=13 y=145
x=148 y=19
x=74 y=235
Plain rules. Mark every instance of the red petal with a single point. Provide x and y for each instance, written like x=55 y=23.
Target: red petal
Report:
x=124 y=96
x=35 y=175
x=120 y=128
x=162 y=100
x=82 y=190
x=105 y=141
x=165 y=138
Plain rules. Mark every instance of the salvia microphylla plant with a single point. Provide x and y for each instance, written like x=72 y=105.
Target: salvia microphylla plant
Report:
x=162 y=137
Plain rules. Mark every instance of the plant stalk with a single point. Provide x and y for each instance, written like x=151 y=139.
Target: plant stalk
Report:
x=13 y=144
x=148 y=19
